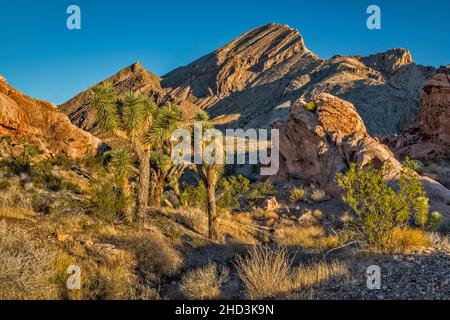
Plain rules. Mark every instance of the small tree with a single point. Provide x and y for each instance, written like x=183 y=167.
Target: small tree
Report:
x=380 y=208
x=130 y=120
x=163 y=170
x=210 y=174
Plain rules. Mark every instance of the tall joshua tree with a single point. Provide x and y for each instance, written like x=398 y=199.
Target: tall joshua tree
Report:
x=210 y=174
x=130 y=120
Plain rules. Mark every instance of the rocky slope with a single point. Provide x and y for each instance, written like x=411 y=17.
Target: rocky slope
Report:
x=254 y=80
x=130 y=79
x=429 y=139
x=315 y=146
x=42 y=124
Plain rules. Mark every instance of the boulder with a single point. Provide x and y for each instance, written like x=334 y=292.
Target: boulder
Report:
x=317 y=145
x=43 y=125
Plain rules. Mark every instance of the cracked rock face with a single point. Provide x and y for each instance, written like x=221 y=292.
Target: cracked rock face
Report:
x=429 y=139
x=43 y=124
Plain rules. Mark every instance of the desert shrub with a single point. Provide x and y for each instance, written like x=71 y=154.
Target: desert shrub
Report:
x=310 y=106
x=204 y=283
x=380 y=208
x=21 y=154
x=231 y=191
x=25 y=266
x=318 y=195
x=193 y=196
x=435 y=220
x=405 y=240
x=297 y=194
x=260 y=190
x=42 y=204
x=107 y=201
x=265 y=272
x=154 y=255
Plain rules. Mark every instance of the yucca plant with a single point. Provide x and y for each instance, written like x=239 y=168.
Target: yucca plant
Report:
x=122 y=164
x=210 y=174
x=163 y=170
x=130 y=120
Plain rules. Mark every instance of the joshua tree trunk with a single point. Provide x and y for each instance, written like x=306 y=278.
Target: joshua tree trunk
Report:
x=144 y=183
x=212 y=214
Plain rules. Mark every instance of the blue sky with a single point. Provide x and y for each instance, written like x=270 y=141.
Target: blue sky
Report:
x=44 y=59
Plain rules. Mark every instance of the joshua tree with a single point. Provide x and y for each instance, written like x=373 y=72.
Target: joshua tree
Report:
x=163 y=170
x=210 y=174
x=130 y=120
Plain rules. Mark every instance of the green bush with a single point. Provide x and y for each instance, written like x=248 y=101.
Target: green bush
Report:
x=381 y=208
x=193 y=196
x=231 y=191
x=310 y=106
x=260 y=190
x=107 y=201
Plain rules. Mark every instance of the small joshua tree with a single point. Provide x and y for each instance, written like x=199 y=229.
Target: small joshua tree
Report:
x=210 y=174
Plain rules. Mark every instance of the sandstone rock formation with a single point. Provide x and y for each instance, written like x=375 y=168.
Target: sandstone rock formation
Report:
x=42 y=124
x=429 y=139
x=315 y=146
x=255 y=79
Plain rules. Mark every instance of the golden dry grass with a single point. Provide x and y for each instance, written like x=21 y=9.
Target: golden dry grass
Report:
x=265 y=272
x=405 y=240
x=307 y=237
x=204 y=283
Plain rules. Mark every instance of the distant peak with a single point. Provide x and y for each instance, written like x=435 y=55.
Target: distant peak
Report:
x=136 y=66
x=390 y=60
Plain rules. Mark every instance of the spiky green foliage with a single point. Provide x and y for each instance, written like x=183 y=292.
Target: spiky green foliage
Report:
x=165 y=122
x=104 y=100
x=136 y=111
x=381 y=208
x=121 y=162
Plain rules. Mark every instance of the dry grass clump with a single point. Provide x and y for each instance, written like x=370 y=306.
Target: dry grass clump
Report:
x=154 y=254
x=110 y=278
x=204 y=283
x=306 y=237
x=297 y=195
x=266 y=272
x=25 y=266
x=318 y=195
x=317 y=273
x=406 y=240
x=193 y=218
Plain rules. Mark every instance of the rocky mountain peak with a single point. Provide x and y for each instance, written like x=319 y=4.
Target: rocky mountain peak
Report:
x=389 y=61
x=2 y=79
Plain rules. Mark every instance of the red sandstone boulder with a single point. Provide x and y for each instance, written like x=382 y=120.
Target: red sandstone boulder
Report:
x=43 y=124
